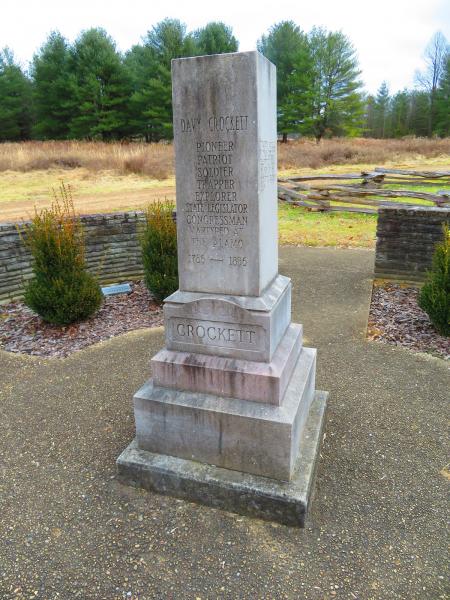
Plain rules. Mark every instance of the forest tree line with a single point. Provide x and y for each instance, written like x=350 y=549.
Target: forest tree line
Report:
x=89 y=90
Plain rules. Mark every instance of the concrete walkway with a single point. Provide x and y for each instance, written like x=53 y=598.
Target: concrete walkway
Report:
x=377 y=531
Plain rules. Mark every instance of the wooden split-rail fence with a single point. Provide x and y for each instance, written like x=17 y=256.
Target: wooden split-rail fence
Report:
x=365 y=192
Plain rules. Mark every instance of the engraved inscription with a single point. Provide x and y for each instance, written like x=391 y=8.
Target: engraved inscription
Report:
x=216 y=216
x=224 y=123
x=214 y=333
x=228 y=123
x=267 y=163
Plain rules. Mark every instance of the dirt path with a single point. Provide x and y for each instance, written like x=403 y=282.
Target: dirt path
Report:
x=91 y=203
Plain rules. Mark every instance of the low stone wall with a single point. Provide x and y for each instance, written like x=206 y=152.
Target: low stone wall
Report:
x=405 y=242
x=112 y=251
x=406 y=238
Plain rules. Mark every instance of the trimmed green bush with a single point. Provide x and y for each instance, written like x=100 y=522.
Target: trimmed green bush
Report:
x=159 y=250
x=61 y=291
x=434 y=297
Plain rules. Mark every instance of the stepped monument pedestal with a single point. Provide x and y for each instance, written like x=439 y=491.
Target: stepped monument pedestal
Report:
x=231 y=417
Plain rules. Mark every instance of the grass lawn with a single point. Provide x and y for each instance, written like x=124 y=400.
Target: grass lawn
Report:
x=299 y=227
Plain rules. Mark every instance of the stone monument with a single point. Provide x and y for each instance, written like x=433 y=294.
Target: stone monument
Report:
x=231 y=417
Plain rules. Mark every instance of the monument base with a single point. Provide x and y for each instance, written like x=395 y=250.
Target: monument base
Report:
x=262 y=497
x=253 y=437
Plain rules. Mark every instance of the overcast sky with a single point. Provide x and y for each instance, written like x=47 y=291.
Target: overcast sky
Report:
x=389 y=35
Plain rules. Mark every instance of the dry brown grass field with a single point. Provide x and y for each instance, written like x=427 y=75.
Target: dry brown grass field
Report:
x=153 y=160
x=107 y=177
x=157 y=161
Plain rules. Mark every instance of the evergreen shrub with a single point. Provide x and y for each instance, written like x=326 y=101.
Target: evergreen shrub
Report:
x=434 y=296
x=159 y=250
x=61 y=291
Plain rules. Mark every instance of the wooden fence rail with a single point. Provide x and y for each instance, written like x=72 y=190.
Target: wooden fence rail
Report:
x=368 y=195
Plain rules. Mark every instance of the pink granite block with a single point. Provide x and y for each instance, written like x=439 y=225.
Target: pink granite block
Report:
x=235 y=378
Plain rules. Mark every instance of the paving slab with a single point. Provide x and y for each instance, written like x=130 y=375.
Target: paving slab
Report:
x=69 y=529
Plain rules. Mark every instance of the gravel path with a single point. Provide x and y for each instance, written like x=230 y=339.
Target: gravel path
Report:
x=396 y=318
x=21 y=330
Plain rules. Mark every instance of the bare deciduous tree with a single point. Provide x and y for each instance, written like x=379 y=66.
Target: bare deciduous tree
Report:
x=435 y=56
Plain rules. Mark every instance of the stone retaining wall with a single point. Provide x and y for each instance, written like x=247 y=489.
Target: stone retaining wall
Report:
x=112 y=251
x=405 y=243
x=406 y=238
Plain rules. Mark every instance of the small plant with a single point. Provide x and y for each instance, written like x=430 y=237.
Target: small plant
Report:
x=159 y=250
x=61 y=291
x=434 y=297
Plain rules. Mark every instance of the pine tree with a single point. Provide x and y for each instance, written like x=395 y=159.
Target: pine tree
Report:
x=295 y=112
x=101 y=88
x=15 y=100
x=52 y=89
x=381 y=107
x=435 y=56
x=442 y=124
x=61 y=290
x=215 y=38
x=338 y=103
x=399 y=116
x=434 y=296
x=157 y=100
x=140 y=65
x=369 y=116
x=285 y=45
x=159 y=250
x=149 y=67
x=168 y=39
x=419 y=113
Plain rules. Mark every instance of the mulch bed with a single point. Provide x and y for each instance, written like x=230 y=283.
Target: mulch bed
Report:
x=395 y=318
x=21 y=330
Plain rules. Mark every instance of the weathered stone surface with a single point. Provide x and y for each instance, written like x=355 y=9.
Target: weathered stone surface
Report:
x=221 y=326
x=285 y=502
x=406 y=238
x=247 y=380
x=231 y=392
x=265 y=302
x=225 y=148
x=113 y=251
x=232 y=433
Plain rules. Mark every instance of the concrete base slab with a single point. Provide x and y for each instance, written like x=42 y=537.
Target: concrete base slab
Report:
x=284 y=502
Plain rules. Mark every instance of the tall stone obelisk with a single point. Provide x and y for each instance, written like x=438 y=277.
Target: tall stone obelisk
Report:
x=231 y=416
